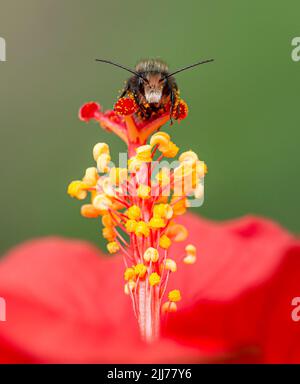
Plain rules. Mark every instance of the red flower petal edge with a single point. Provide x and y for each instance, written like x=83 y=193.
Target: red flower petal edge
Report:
x=65 y=302
x=89 y=111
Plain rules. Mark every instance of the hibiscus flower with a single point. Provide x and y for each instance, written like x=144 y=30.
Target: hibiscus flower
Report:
x=67 y=303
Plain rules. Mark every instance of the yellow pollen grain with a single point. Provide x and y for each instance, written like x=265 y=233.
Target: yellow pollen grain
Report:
x=142 y=229
x=154 y=279
x=130 y=225
x=174 y=295
x=134 y=212
x=165 y=242
x=140 y=270
x=129 y=274
x=113 y=247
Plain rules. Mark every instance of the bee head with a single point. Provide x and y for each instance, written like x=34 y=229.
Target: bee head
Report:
x=153 y=87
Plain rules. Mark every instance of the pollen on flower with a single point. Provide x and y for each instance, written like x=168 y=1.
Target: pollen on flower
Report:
x=143 y=153
x=177 y=232
x=157 y=222
x=162 y=139
x=129 y=287
x=140 y=270
x=130 y=225
x=118 y=175
x=129 y=274
x=191 y=254
x=138 y=206
x=181 y=110
x=102 y=202
x=154 y=279
x=151 y=254
x=174 y=295
x=170 y=150
x=134 y=164
x=125 y=106
x=163 y=210
x=134 y=212
x=169 y=306
x=100 y=149
x=89 y=211
x=163 y=177
x=109 y=233
x=142 y=229
x=143 y=191
x=78 y=189
x=113 y=247
x=170 y=265
x=165 y=242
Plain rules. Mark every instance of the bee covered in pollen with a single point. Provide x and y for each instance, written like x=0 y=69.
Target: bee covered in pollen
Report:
x=153 y=87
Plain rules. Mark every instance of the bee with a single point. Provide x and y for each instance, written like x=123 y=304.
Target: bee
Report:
x=153 y=87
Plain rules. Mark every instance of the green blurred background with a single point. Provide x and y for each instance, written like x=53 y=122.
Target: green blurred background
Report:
x=243 y=120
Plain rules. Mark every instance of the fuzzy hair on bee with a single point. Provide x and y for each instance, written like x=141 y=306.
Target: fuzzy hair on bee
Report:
x=153 y=87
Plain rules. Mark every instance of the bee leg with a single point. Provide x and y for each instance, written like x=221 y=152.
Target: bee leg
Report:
x=172 y=99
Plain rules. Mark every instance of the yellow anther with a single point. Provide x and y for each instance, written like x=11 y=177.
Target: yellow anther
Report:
x=142 y=229
x=129 y=274
x=130 y=225
x=134 y=164
x=107 y=220
x=174 y=296
x=113 y=247
x=201 y=168
x=140 y=270
x=171 y=150
x=161 y=139
x=189 y=157
x=191 y=249
x=117 y=176
x=165 y=242
x=179 y=205
x=143 y=153
x=107 y=186
x=129 y=287
x=190 y=259
x=91 y=176
x=151 y=254
x=109 y=233
x=154 y=279
x=102 y=162
x=177 y=232
x=163 y=210
x=89 y=211
x=169 y=306
x=170 y=265
x=134 y=212
x=100 y=149
x=102 y=202
x=191 y=254
x=163 y=177
x=157 y=222
x=143 y=191
x=77 y=189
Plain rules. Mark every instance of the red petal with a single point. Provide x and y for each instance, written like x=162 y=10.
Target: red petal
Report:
x=65 y=303
x=239 y=292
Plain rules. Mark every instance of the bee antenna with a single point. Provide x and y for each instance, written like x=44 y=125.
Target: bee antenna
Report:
x=188 y=67
x=123 y=67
